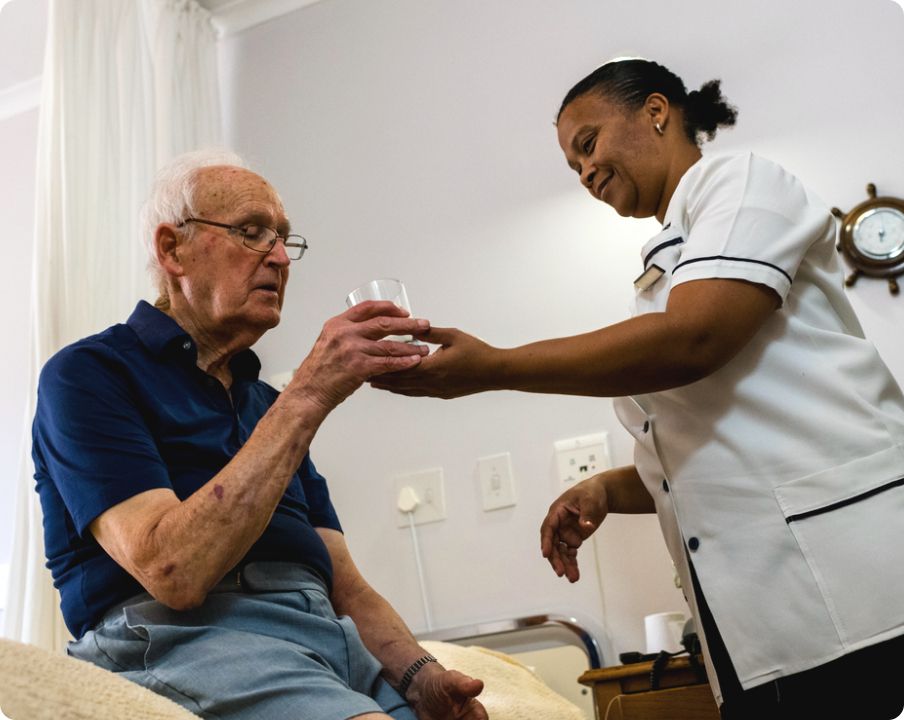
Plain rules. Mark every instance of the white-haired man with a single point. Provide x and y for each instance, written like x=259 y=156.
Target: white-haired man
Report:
x=193 y=542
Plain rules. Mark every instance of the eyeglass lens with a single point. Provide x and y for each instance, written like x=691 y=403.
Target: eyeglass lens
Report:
x=263 y=239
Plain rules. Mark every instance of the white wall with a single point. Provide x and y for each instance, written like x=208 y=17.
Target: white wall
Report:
x=414 y=138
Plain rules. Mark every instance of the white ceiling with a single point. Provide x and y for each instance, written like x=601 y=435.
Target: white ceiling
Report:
x=215 y=5
x=235 y=15
x=24 y=23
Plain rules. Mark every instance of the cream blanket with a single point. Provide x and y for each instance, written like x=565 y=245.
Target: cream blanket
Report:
x=511 y=690
x=40 y=685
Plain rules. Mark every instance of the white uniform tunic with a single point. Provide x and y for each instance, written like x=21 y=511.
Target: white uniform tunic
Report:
x=779 y=475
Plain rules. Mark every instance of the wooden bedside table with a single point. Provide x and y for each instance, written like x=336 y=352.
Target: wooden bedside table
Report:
x=624 y=692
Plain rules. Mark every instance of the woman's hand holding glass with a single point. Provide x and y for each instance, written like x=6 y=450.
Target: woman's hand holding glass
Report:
x=461 y=365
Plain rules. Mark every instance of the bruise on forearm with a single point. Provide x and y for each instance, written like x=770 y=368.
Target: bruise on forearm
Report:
x=177 y=549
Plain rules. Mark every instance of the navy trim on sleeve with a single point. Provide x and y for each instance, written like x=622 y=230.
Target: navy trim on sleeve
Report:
x=734 y=259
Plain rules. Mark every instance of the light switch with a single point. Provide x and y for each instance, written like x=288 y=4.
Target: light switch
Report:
x=497 y=485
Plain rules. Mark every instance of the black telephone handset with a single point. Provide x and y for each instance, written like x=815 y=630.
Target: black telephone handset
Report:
x=689 y=641
x=691 y=644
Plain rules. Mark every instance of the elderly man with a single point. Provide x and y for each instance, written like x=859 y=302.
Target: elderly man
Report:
x=193 y=542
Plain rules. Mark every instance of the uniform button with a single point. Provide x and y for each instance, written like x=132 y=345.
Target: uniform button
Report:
x=186 y=345
x=665 y=486
x=646 y=426
x=693 y=544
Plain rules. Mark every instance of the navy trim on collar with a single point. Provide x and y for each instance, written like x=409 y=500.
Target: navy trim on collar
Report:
x=662 y=246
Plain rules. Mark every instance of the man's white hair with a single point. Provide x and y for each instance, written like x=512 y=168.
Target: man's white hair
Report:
x=172 y=198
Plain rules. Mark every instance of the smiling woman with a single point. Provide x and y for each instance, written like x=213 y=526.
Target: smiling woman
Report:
x=603 y=129
x=722 y=383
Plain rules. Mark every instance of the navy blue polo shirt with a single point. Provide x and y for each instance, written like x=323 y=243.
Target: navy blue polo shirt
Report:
x=128 y=410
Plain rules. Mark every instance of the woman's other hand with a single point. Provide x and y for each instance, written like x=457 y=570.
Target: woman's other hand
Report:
x=571 y=519
x=580 y=510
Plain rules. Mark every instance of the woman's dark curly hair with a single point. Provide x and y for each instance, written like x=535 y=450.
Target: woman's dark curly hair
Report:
x=631 y=82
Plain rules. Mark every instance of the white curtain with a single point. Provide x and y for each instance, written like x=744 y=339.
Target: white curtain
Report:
x=127 y=84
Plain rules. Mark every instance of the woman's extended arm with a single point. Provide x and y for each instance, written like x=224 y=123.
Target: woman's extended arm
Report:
x=706 y=323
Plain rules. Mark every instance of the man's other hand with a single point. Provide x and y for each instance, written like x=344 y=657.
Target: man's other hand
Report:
x=440 y=694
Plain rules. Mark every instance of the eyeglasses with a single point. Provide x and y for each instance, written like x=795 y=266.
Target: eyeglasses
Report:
x=259 y=238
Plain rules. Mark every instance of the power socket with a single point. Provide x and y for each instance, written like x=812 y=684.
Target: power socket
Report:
x=579 y=458
x=281 y=379
x=428 y=486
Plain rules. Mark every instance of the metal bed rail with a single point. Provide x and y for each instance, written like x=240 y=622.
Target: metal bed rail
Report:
x=580 y=637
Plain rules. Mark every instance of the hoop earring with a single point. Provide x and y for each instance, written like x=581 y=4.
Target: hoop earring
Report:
x=659 y=129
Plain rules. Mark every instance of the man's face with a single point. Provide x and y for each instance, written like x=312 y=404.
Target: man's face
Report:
x=230 y=288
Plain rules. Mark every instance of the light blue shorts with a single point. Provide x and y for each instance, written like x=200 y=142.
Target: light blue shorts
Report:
x=270 y=647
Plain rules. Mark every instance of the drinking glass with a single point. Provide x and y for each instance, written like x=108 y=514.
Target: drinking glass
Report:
x=383 y=289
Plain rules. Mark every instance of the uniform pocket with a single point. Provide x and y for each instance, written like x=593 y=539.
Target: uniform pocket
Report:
x=847 y=521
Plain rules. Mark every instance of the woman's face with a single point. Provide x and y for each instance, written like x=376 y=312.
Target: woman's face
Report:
x=617 y=152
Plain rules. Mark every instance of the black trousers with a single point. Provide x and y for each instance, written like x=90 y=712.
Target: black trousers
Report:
x=865 y=685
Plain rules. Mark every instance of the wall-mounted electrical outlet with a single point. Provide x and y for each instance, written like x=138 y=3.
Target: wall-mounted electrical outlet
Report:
x=428 y=487
x=280 y=380
x=582 y=457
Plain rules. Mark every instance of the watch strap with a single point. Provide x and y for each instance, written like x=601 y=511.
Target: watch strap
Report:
x=412 y=670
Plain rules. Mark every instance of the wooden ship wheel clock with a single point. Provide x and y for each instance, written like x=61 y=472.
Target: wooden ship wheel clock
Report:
x=871 y=238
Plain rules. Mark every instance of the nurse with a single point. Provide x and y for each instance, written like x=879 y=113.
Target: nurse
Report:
x=769 y=433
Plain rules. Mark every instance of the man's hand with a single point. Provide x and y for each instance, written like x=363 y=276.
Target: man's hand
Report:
x=462 y=365
x=440 y=694
x=351 y=350
x=571 y=519
x=435 y=693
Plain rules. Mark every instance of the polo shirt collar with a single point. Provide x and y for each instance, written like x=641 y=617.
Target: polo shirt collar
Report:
x=163 y=336
x=156 y=330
